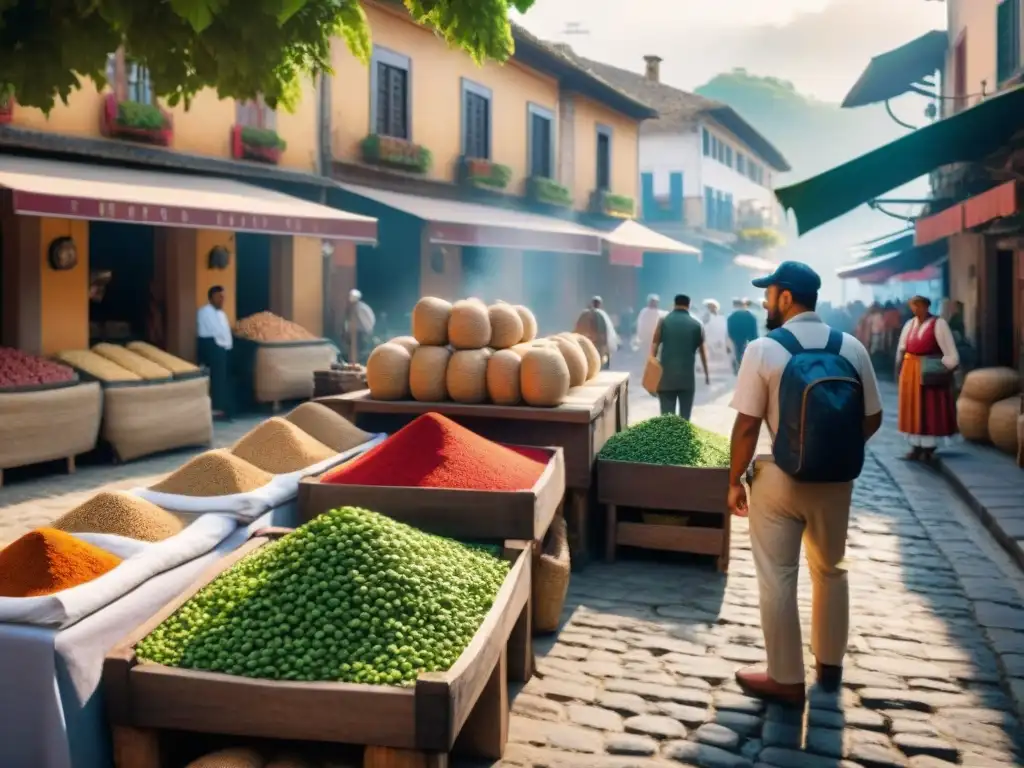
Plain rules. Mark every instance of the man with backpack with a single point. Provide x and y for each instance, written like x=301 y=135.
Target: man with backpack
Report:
x=816 y=389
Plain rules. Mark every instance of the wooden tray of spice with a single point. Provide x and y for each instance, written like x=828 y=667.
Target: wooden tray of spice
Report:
x=479 y=512
x=463 y=710
x=671 y=489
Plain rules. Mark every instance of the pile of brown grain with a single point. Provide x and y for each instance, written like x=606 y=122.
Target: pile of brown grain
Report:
x=278 y=446
x=213 y=473
x=330 y=428
x=120 y=513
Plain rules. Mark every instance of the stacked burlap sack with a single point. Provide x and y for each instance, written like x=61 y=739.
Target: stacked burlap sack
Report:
x=989 y=408
x=471 y=353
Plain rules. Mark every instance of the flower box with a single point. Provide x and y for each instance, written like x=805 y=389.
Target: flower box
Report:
x=6 y=109
x=260 y=144
x=545 y=191
x=135 y=121
x=477 y=172
x=395 y=153
x=608 y=204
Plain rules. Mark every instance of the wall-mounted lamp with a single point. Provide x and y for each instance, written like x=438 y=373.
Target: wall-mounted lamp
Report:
x=62 y=254
x=219 y=257
x=327 y=249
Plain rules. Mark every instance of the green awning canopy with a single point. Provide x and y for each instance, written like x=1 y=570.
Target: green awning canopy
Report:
x=896 y=72
x=967 y=136
x=883 y=267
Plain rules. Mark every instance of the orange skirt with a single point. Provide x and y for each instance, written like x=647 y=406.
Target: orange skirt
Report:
x=923 y=410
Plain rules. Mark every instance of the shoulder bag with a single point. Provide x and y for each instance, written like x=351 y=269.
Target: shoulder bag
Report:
x=934 y=373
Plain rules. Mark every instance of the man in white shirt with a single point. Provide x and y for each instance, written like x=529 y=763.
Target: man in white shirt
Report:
x=784 y=512
x=214 y=350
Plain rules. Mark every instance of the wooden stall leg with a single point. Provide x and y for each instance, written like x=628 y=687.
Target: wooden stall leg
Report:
x=486 y=730
x=71 y=465
x=520 y=646
x=577 y=524
x=136 y=747
x=610 y=535
x=723 y=559
x=386 y=757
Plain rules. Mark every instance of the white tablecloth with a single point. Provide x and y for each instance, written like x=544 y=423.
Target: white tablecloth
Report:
x=52 y=712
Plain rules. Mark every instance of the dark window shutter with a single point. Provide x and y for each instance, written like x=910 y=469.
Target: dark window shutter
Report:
x=1007 y=39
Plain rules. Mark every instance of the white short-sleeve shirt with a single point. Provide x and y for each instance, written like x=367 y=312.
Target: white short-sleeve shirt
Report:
x=757 y=383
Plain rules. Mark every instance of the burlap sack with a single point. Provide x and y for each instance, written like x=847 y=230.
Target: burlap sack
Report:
x=988 y=385
x=972 y=419
x=285 y=371
x=150 y=418
x=551 y=569
x=1002 y=424
x=49 y=424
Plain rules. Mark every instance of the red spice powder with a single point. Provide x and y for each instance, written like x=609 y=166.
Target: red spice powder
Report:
x=435 y=452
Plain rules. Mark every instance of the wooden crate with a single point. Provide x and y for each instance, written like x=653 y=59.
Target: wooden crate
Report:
x=460 y=514
x=668 y=489
x=463 y=710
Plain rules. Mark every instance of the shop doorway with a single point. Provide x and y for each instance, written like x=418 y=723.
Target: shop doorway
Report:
x=252 y=274
x=125 y=304
x=1004 y=336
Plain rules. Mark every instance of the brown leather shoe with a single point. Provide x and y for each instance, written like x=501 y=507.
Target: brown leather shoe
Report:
x=756 y=682
x=830 y=677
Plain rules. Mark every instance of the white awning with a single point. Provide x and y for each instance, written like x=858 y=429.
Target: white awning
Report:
x=95 y=192
x=755 y=263
x=633 y=234
x=454 y=222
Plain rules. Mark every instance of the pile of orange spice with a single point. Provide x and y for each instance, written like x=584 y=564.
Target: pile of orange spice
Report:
x=46 y=561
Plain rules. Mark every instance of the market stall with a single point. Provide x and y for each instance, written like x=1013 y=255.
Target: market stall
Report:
x=274 y=360
x=664 y=484
x=462 y=623
x=148 y=406
x=46 y=412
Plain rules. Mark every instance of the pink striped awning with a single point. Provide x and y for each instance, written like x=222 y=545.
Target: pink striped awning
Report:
x=931 y=229
x=994 y=204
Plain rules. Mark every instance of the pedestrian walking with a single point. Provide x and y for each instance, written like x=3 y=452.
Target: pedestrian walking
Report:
x=926 y=356
x=680 y=337
x=647 y=321
x=716 y=334
x=816 y=389
x=360 y=321
x=596 y=325
x=742 y=327
x=213 y=349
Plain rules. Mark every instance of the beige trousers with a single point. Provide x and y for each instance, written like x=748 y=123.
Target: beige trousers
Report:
x=784 y=513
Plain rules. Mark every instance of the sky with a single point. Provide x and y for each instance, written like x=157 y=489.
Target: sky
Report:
x=821 y=46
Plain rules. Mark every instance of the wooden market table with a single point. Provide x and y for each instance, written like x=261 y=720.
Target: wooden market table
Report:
x=580 y=426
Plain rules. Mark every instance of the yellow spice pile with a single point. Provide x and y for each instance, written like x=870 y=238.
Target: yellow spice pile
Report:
x=121 y=514
x=213 y=473
x=327 y=426
x=278 y=446
x=268 y=327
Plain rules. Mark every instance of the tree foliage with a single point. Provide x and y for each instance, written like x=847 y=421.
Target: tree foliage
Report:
x=241 y=48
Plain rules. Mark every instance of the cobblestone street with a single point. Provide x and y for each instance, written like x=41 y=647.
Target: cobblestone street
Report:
x=641 y=674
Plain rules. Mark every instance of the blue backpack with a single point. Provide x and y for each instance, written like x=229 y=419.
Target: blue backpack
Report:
x=821 y=413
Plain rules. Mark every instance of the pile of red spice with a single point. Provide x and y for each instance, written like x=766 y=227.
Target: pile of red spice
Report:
x=46 y=561
x=435 y=452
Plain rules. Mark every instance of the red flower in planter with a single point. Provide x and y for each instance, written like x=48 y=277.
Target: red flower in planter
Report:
x=135 y=121
x=6 y=109
x=259 y=144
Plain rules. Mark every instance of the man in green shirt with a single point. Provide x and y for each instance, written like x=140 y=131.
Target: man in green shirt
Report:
x=680 y=336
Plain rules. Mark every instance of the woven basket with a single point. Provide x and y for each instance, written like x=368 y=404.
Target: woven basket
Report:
x=988 y=385
x=285 y=372
x=972 y=419
x=49 y=424
x=1002 y=424
x=551 y=578
x=139 y=421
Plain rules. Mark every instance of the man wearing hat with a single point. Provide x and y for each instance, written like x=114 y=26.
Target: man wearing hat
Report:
x=596 y=325
x=783 y=510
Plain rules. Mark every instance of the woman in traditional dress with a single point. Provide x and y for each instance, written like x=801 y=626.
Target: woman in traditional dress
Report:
x=926 y=357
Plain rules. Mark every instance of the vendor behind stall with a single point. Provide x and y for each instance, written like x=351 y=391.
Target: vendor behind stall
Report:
x=214 y=350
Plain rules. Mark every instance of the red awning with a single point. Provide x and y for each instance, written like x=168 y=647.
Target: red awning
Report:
x=939 y=225
x=81 y=191
x=994 y=204
x=919 y=276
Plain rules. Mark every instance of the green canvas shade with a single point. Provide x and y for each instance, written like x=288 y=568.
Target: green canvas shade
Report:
x=898 y=71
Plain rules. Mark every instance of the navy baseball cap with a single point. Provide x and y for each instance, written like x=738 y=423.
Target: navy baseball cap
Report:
x=791 y=276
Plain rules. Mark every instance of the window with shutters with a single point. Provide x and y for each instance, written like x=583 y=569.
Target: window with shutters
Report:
x=390 y=100
x=706 y=141
x=255 y=113
x=728 y=155
x=139 y=85
x=542 y=146
x=741 y=163
x=604 y=157
x=476 y=120
x=960 y=73
x=1008 y=39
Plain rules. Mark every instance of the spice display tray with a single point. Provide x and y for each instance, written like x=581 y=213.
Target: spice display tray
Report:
x=463 y=710
x=460 y=514
x=669 y=489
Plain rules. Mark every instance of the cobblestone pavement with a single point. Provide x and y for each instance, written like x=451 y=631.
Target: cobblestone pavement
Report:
x=641 y=674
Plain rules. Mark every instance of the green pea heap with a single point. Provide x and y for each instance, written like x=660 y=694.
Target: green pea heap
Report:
x=668 y=439
x=351 y=596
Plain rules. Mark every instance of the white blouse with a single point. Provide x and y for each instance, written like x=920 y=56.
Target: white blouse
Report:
x=943 y=337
